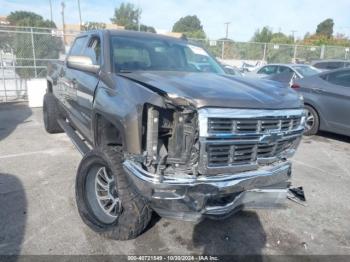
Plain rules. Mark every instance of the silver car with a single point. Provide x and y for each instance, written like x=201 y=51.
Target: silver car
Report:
x=327 y=101
x=284 y=73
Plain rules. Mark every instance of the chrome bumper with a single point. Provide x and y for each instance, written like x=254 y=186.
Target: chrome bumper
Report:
x=192 y=198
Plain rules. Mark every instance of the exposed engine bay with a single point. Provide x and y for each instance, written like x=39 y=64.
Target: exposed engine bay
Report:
x=170 y=140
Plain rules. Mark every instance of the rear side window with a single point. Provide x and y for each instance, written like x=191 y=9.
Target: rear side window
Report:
x=329 y=65
x=78 y=46
x=284 y=69
x=268 y=70
x=340 y=78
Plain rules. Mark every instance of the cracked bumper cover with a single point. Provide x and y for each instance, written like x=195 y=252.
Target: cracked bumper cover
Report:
x=192 y=198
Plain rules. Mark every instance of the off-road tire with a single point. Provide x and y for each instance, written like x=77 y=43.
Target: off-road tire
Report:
x=316 y=124
x=51 y=114
x=135 y=214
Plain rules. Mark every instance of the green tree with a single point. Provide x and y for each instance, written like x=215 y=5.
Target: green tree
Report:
x=46 y=46
x=325 y=28
x=93 y=26
x=126 y=15
x=143 y=28
x=190 y=26
x=264 y=35
x=24 y=18
x=280 y=38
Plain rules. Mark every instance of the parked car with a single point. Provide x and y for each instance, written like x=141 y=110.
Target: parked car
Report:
x=232 y=70
x=330 y=64
x=284 y=73
x=159 y=133
x=246 y=67
x=327 y=101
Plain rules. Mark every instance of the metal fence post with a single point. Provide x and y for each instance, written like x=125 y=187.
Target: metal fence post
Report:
x=264 y=53
x=295 y=53
x=33 y=48
x=3 y=75
x=322 y=51
x=223 y=49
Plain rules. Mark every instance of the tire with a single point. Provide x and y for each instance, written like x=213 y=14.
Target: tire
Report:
x=51 y=114
x=132 y=211
x=312 y=121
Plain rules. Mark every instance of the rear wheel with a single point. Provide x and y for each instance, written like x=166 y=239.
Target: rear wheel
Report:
x=107 y=202
x=312 y=121
x=51 y=114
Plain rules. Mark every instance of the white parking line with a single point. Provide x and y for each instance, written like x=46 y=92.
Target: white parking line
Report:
x=54 y=151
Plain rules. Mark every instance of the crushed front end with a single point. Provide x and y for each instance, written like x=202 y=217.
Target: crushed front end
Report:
x=214 y=161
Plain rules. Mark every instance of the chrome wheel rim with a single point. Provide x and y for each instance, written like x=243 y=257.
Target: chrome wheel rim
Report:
x=310 y=120
x=101 y=194
x=106 y=193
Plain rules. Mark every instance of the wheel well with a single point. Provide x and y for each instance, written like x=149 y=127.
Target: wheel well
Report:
x=314 y=108
x=49 y=87
x=318 y=114
x=106 y=133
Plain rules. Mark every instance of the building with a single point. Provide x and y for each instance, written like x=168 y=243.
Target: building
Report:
x=3 y=20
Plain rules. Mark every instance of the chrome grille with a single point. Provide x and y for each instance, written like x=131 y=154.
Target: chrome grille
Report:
x=229 y=125
x=237 y=140
x=242 y=154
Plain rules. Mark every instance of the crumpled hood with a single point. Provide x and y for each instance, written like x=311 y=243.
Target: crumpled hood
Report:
x=214 y=90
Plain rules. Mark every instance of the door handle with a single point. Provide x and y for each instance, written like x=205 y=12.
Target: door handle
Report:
x=317 y=90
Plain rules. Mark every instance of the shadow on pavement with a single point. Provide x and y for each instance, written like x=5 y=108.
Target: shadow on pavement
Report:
x=240 y=234
x=13 y=214
x=11 y=115
x=333 y=136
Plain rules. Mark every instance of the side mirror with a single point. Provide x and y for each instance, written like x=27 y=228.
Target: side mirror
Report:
x=83 y=63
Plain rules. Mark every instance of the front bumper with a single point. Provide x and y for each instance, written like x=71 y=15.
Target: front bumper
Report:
x=191 y=198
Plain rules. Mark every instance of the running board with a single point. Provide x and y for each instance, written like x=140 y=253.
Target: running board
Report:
x=77 y=141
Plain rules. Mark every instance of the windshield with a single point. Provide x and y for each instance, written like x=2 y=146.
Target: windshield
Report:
x=133 y=54
x=306 y=70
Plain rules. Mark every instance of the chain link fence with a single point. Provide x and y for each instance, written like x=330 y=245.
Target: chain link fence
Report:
x=272 y=53
x=25 y=53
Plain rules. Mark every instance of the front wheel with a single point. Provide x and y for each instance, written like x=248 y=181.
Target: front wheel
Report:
x=312 y=121
x=107 y=202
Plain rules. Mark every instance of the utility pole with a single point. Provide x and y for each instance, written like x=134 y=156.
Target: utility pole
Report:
x=138 y=16
x=227 y=24
x=50 y=1
x=63 y=23
x=81 y=23
x=293 y=34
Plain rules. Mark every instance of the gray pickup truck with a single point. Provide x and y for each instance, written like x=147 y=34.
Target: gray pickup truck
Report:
x=162 y=128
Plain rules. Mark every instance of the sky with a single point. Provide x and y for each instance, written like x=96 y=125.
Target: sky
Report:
x=245 y=16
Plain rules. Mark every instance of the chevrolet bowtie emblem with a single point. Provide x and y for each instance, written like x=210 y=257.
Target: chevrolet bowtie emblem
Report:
x=270 y=137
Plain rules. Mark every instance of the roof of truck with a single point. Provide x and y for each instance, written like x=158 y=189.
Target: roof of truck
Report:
x=129 y=33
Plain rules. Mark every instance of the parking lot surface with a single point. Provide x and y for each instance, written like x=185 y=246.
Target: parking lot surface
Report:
x=38 y=214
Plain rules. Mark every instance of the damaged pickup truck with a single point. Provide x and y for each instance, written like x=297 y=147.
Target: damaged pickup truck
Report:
x=162 y=128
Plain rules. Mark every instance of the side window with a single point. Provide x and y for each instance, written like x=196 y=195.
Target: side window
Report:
x=334 y=65
x=93 y=50
x=321 y=65
x=284 y=69
x=341 y=78
x=78 y=46
x=268 y=70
